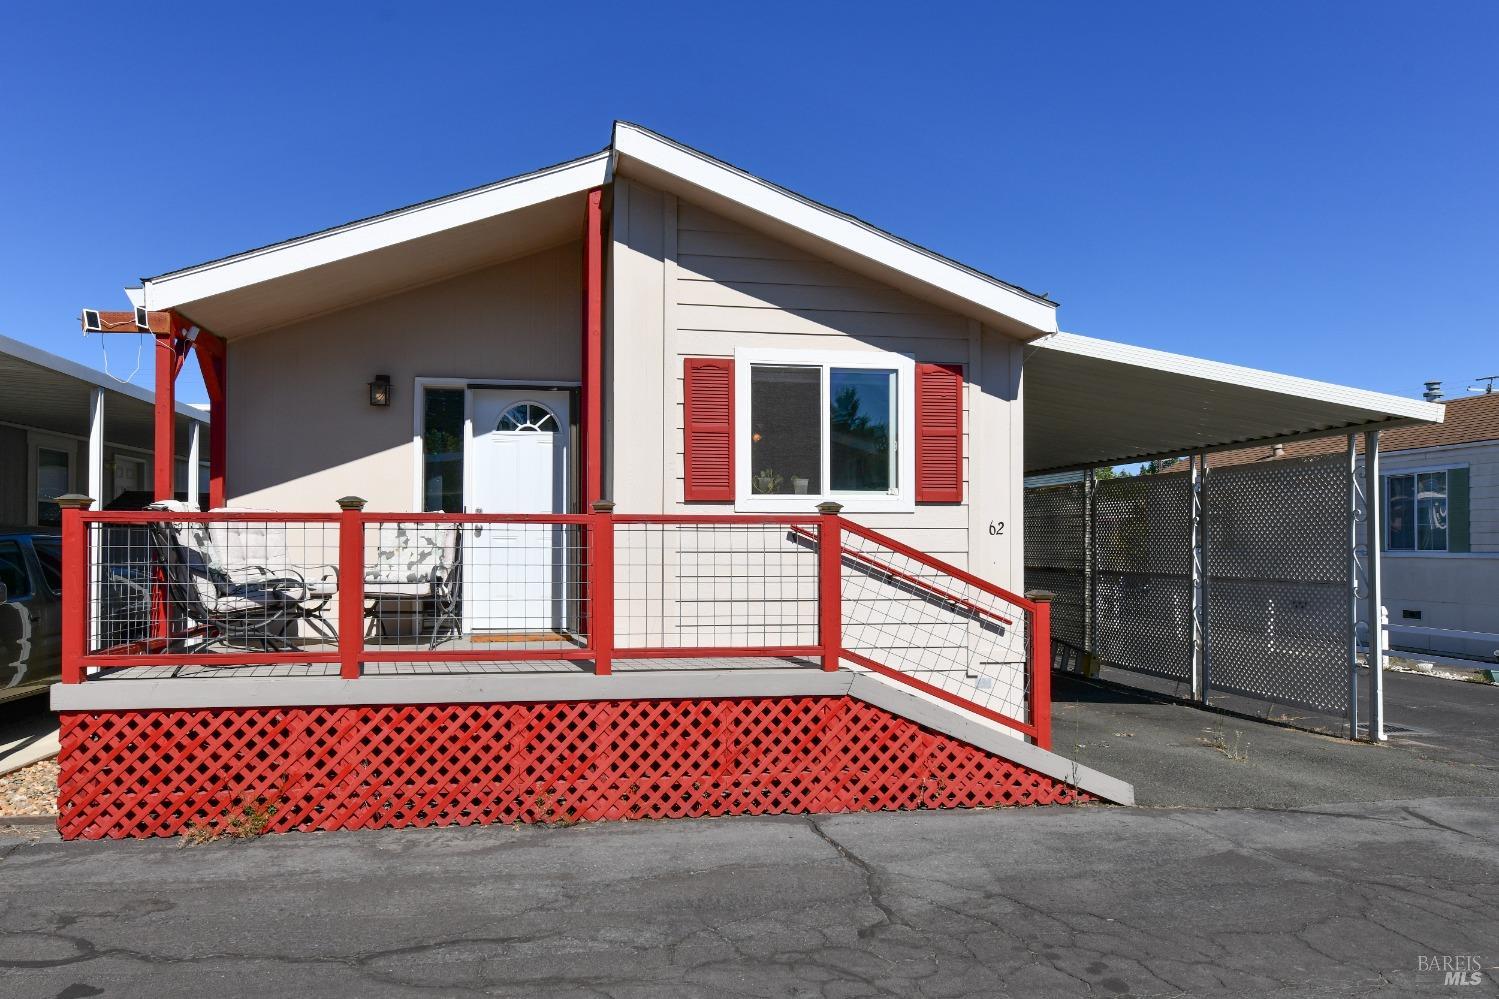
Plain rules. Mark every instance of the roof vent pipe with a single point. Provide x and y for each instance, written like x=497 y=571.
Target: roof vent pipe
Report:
x=1277 y=450
x=1433 y=391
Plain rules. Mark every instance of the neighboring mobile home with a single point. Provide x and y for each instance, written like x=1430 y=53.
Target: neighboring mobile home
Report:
x=782 y=437
x=1439 y=550
x=65 y=427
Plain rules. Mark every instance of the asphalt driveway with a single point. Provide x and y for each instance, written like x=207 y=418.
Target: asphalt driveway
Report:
x=1360 y=871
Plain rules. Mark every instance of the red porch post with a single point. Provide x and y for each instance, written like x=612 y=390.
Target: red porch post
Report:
x=351 y=587
x=75 y=586
x=165 y=442
x=593 y=351
x=601 y=587
x=1040 y=656
x=830 y=585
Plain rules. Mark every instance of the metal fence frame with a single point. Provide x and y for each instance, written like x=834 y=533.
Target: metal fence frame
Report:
x=1276 y=554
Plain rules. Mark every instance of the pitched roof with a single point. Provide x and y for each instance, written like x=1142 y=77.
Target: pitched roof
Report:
x=333 y=268
x=1469 y=420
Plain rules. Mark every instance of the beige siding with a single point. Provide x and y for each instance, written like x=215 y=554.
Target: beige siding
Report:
x=712 y=286
x=301 y=430
x=1460 y=591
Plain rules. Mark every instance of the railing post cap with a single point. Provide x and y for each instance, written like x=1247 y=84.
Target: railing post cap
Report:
x=74 y=501
x=351 y=502
x=603 y=506
x=830 y=507
x=1040 y=596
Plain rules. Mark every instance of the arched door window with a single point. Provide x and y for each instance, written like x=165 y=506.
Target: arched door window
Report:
x=528 y=417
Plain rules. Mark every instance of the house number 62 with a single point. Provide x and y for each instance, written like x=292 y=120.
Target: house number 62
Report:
x=996 y=527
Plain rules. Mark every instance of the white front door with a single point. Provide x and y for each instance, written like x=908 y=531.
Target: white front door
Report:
x=514 y=575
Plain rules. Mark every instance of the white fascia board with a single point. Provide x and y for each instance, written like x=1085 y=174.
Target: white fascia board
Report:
x=305 y=252
x=91 y=376
x=137 y=297
x=1233 y=374
x=845 y=231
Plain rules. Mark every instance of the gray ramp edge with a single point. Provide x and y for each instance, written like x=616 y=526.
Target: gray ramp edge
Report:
x=953 y=721
x=280 y=692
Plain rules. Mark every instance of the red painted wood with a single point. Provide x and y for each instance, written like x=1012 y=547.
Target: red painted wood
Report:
x=830 y=590
x=939 y=433
x=224 y=659
x=213 y=359
x=491 y=654
x=161 y=772
x=716 y=518
x=601 y=591
x=593 y=366
x=218 y=517
x=717 y=652
x=164 y=441
x=75 y=594
x=123 y=321
x=1040 y=669
x=708 y=429
x=350 y=593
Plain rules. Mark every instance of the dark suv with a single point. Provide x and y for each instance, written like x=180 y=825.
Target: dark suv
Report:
x=30 y=611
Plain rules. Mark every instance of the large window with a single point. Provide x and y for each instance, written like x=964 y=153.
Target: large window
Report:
x=824 y=426
x=442 y=450
x=1416 y=512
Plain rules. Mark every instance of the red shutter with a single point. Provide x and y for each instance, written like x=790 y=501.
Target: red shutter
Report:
x=939 y=433
x=708 y=429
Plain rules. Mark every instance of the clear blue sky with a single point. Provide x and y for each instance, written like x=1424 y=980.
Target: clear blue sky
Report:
x=1307 y=187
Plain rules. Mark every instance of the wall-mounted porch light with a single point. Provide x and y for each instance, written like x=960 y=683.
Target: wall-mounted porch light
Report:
x=380 y=391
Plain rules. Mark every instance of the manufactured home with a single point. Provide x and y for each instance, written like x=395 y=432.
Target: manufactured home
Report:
x=637 y=486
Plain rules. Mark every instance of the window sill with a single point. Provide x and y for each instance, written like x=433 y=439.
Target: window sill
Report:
x=808 y=504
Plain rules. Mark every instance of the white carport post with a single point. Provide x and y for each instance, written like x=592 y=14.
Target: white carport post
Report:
x=1374 y=595
x=1199 y=527
x=194 y=432
x=1357 y=556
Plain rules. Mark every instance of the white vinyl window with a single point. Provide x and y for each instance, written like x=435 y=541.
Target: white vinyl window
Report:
x=812 y=426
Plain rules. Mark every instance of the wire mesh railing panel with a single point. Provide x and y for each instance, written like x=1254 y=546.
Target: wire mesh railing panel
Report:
x=492 y=584
x=159 y=585
x=714 y=585
x=929 y=624
x=1142 y=531
x=1278 y=581
x=1056 y=554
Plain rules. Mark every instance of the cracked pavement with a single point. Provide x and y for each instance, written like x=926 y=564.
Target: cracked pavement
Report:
x=1337 y=900
x=1358 y=862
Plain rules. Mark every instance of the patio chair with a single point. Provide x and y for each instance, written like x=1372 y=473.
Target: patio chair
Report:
x=416 y=574
x=242 y=607
x=251 y=546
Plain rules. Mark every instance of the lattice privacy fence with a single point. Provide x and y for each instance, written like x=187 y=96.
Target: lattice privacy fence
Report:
x=164 y=772
x=1274 y=597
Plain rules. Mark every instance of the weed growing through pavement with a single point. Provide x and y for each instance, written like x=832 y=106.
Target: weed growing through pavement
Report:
x=1237 y=751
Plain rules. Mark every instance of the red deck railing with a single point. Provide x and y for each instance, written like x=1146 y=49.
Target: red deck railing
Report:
x=355 y=588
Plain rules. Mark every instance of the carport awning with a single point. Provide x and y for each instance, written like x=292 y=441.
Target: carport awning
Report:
x=1096 y=402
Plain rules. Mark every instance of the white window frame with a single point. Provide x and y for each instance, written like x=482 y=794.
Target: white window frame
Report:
x=36 y=441
x=901 y=500
x=1386 y=475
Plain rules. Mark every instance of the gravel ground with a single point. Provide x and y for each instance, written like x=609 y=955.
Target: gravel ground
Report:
x=31 y=790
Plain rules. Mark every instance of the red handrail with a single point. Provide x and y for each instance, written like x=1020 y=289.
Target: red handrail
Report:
x=939 y=565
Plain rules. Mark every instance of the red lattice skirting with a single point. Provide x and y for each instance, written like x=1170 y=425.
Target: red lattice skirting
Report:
x=158 y=772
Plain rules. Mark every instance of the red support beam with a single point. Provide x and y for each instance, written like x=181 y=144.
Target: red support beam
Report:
x=601 y=588
x=1040 y=666
x=350 y=587
x=75 y=588
x=165 y=441
x=214 y=361
x=593 y=351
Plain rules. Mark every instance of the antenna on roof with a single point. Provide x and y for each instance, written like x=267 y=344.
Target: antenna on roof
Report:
x=1487 y=389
